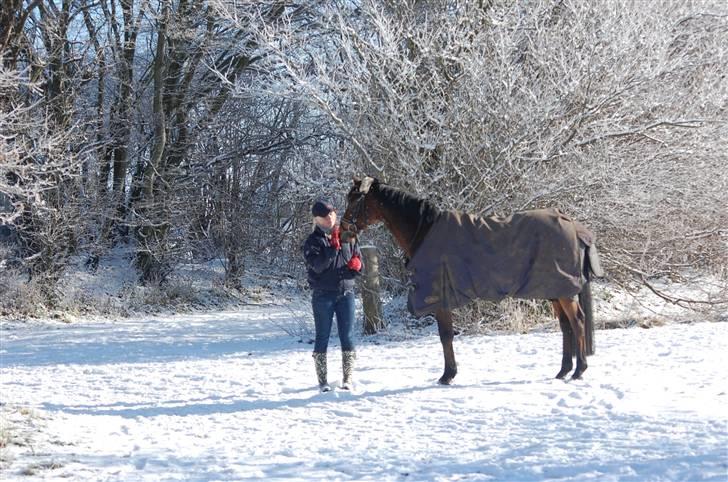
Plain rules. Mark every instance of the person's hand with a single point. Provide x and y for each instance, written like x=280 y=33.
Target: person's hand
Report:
x=354 y=263
x=336 y=238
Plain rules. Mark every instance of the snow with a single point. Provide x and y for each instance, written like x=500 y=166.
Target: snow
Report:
x=232 y=396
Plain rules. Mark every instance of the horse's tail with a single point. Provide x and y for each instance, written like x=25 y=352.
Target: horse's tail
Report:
x=585 y=300
x=591 y=266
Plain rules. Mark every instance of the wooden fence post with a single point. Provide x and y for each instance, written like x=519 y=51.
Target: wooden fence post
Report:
x=371 y=300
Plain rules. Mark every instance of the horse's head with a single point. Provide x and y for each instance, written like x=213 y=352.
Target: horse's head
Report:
x=361 y=208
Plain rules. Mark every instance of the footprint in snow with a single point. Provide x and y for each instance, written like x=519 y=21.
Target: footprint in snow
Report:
x=341 y=413
x=617 y=392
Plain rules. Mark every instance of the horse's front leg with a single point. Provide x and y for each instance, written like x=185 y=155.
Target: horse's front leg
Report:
x=445 y=328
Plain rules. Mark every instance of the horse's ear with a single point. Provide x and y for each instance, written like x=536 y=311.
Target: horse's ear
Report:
x=366 y=184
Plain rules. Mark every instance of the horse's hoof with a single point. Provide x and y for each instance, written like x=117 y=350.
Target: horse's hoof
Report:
x=448 y=375
x=563 y=373
x=577 y=374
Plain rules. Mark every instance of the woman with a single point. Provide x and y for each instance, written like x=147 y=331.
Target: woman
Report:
x=332 y=267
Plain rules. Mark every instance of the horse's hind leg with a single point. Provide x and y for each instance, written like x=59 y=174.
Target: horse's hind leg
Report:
x=567 y=335
x=444 y=326
x=573 y=312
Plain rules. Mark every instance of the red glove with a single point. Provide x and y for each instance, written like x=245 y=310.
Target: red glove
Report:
x=336 y=238
x=354 y=263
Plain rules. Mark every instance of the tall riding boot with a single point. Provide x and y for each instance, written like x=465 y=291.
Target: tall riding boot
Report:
x=320 y=362
x=347 y=365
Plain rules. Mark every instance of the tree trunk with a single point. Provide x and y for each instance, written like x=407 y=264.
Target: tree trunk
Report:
x=373 y=320
x=151 y=234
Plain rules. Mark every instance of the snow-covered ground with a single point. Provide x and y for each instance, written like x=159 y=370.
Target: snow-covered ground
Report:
x=231 y=396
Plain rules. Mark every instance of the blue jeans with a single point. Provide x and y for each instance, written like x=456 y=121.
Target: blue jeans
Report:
x=325 y=304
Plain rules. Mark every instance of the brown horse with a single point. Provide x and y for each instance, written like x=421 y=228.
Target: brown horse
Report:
x=411 y=221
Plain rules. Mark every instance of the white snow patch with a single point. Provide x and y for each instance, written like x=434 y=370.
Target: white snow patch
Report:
x=230 y=396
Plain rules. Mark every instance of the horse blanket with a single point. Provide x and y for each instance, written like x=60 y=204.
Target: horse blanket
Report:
x=535 y=254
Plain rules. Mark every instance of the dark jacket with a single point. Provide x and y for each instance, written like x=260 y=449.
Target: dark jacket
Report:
x=327 y=269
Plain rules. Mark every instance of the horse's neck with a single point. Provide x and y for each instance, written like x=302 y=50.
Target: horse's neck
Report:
x=408 y=230
x=401 y=232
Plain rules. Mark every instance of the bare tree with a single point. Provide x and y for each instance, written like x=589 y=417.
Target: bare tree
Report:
x=39 y=166
x=177 y=127
x=614 y=112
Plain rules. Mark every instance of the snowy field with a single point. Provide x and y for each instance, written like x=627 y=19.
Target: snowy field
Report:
x=231 y=396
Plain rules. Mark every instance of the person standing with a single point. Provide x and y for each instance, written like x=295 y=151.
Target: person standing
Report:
x=332 y=267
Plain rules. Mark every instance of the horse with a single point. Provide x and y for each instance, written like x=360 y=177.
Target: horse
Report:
x=413 y=223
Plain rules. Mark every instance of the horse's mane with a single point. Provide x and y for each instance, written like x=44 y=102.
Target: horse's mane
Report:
x=411 y=206
x=419 y=214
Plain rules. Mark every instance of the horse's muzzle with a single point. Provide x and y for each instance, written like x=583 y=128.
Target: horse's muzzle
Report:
x=348 y=226
x=347 y=236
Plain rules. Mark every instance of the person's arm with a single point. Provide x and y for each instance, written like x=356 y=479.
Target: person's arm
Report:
x=318 y=256
x=356 y=263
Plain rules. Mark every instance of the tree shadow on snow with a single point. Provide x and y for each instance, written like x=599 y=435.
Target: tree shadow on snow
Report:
x=142 y=349
x=227 y=405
